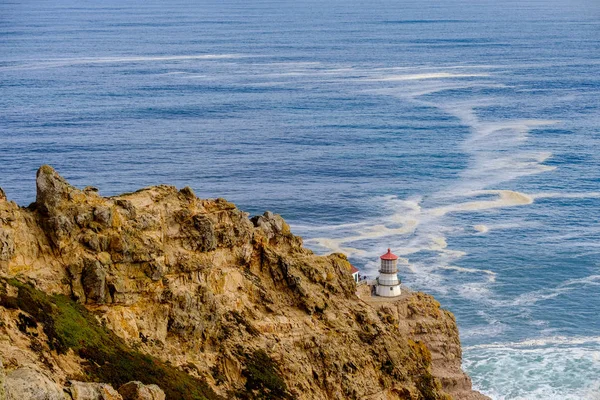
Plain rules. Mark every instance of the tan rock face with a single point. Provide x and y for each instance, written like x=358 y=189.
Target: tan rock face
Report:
x=2 y=380
x=30 y=383
x=235 y=301
x=93 y=391
x=138 y=391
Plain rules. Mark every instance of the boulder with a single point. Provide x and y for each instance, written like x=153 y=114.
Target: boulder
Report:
x=138 y=391
x=103 y=215
x=272 y=225
x=188 y=193
x=57 y=202
x=93 y=391
x=28 y=383
x=52 y=188
x=93 y=280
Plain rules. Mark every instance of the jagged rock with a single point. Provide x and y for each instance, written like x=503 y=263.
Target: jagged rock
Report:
x=104 y=258
x=238 y=302
x=128 y=208
x=93 y=280
x=138 y=391
x=206 y=234
x=93 y=391
x=2 y=195
x=188 y=193
x=198 y=232
x=60 y=207
x=52 y=188
x=103 y=215
x=28 y=383
x=273 y=226
x=60 y=228
x=7 y=245
x=83 y=219
x=2 y=381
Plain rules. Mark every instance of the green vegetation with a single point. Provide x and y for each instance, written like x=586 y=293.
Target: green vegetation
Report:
x=430 y=388
x=69 y=325
x=263 y=380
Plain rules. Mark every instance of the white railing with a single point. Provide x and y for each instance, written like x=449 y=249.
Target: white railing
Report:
x=388 y=282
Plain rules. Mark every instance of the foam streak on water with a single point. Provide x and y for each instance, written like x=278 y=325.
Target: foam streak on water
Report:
x=544 y=369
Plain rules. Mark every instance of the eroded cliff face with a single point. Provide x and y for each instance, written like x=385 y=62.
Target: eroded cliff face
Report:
x=196 y=291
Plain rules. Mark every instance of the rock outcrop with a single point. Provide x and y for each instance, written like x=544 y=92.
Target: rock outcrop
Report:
x=138 y=391
x=2 y=373
x=29 y=383
x=194 y=300
x=93 y=391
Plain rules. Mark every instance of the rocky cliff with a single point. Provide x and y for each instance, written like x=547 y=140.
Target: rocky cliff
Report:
x=158 y=293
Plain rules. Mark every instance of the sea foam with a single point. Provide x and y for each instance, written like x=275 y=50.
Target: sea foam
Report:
x=546 y=368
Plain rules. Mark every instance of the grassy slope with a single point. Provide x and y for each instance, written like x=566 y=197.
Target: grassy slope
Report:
x=69 y=325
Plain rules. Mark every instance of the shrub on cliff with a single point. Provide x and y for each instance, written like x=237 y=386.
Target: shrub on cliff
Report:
x=68 y=325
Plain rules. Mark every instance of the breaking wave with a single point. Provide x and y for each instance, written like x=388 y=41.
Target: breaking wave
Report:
x=548 y=368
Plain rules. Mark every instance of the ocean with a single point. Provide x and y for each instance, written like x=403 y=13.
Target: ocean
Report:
x=464 y=135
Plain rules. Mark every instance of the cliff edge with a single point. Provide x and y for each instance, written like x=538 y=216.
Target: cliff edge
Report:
x=161 y=292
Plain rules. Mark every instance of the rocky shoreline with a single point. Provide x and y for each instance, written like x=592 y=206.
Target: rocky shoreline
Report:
x=189 y=298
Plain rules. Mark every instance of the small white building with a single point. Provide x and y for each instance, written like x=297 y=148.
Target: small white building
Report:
x=388 y=284
x=354 y=271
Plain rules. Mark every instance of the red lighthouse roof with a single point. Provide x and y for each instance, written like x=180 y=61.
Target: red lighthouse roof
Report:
x=353 y=269
x=389 y=256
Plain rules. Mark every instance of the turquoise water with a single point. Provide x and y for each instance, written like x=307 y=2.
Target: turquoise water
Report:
x=464 y=135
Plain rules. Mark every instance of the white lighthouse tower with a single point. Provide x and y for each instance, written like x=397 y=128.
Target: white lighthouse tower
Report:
x=388 y=284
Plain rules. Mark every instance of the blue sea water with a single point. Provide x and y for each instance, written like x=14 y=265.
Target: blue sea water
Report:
x=465 y=135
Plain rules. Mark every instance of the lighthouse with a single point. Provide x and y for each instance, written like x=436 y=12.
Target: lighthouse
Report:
x=388 y=284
